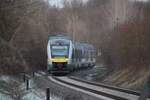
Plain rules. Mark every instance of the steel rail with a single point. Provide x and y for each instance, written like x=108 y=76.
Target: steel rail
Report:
x=91 y=90
x=137 y=93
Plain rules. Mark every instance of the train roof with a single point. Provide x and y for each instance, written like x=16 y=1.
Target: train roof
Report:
x=84 y=46
x=59 y=36
x=79 y=45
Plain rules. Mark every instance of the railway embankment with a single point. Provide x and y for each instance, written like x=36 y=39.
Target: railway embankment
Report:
x=128 y=78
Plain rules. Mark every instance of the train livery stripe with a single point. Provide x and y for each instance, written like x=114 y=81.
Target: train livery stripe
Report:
x=59 y=59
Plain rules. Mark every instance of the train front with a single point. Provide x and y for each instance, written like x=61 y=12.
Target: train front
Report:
x=59 y=55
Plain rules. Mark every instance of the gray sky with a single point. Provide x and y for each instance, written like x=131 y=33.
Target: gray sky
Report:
x=59 y=3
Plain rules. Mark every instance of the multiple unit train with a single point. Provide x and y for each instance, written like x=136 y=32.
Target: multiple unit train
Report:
x=65 y=55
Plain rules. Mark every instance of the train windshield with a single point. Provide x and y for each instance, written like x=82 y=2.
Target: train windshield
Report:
x=59 y=51
x=59 y=48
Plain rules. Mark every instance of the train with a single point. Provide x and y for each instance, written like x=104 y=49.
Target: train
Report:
x=65 y=55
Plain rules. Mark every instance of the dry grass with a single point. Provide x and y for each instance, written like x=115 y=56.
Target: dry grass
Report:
x=129 y=77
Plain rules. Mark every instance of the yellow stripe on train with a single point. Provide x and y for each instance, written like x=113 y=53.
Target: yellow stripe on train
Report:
x=59 y=59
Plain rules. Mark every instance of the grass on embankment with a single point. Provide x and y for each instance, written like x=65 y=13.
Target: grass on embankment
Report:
x=131 y=78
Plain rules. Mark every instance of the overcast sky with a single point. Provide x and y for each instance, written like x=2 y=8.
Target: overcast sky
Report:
x=59 y=3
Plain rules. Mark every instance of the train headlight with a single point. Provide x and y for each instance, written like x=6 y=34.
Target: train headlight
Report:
x=49 y=62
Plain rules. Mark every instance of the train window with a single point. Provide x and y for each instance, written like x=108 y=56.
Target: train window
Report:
x=80 y=53
x=86 y=54
x=77 y=53
x=92 y=53
x=73 y=54
x=83 y=54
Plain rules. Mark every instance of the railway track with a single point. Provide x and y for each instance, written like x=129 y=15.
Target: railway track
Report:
x=102 y=95
x=101 y=91
x=137 y=93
